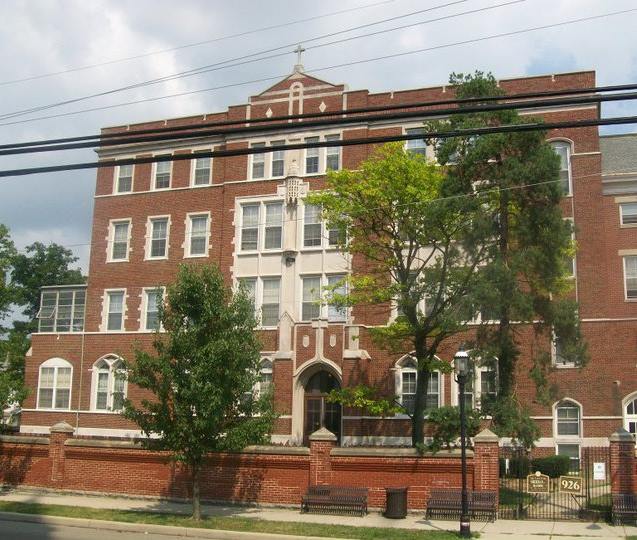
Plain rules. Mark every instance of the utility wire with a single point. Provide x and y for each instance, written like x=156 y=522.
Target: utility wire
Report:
x=515 y=128
x=123 y=135
x=244 y=59
x=133 y=139
x=324 y=68
x=196 y=44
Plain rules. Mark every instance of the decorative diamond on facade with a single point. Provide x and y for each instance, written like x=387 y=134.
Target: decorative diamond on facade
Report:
x=322 y=106
x=269 y=112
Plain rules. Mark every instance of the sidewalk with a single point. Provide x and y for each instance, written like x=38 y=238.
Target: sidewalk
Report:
x=499 y=530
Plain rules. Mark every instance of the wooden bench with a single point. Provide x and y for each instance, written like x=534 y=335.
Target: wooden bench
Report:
x=447 y=503
x=335 y=500
x=624 y=508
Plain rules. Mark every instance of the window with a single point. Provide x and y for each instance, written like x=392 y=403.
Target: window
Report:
x=124 y=182
x=265 y=377
x=270 y=303
x=273 y=225
x=416 y=146
x=563 y=150
x=558 y=354
x=408 y=398
x=488 y=388
x=568 y=419
x=162 y=173
x=158 y=238
x=202 y=171
x=572 y=451
x=481 y=386
x=407 y=376
x=152 y=300
x=333 y=154
x=311 y=308
x=198 y=233
x=311 y=156
x=109 y=384
x=630 y=417
x=115 y=310
x=62 y=310
x=312 y=226
x=250 y=287
x=337 y=313
x=119 y=240
x=54 y=385
x=250 y=227
x=278 y=160
x=630 y=276
x=628 y=214
x=258 y=162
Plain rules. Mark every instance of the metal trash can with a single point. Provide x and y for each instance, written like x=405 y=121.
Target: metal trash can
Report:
x=396 y=505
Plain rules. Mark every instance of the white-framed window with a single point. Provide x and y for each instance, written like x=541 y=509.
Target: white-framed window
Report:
x=124 y=178
x=119 y=240
x=54 y=384
x=265 y=377
x=273 y=237
x=162 y=174
x=312 y=226
x=258 y=162
x=416 y=146
x=151 y=302
x=262 y=225
x=310 y=303
x=563 y=150
x=630 y=416
x=628 y=214
x=312 y=156
x=332 y=154
x=630 y=277
x=277 y=168
x=158 y=231
x=568 y=419
x=265 y=294
x=202 y=169
x=62 y=310
x=406 y=377
x=337 y=285
x=559 y=360
x=197 y=234
x=250 y=227
x=313 y=305
x=115 y=307
x=481 y=386
x=108 y=384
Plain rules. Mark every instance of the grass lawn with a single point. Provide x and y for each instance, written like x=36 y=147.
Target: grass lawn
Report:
x=227 y=523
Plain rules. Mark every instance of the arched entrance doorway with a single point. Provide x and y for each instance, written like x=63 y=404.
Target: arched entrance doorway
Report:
x=318 y=411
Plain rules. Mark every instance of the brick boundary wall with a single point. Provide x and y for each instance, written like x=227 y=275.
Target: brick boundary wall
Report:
x=260 y=474
x=623 y=463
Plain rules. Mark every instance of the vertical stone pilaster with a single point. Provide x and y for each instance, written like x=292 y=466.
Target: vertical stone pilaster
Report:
x=60 y=432
x=622 y=462
x=321 y=444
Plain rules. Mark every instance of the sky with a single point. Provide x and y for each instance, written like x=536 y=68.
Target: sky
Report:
x=41 y=37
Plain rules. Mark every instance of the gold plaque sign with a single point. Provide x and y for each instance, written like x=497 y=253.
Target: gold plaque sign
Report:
x=537 y=483
x=570 y=484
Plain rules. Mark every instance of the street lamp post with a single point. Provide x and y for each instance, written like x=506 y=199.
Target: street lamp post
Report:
x=461 y=365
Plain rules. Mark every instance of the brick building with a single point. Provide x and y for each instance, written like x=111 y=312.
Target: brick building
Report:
x=247 y=214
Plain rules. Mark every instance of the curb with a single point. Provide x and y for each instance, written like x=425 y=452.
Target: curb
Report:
x=167 y=530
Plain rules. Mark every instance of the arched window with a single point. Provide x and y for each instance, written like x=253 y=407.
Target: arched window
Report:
x=567 y=419
x=265 y=376
x=406 y=378
x=630 y=416
x=54 y=384
x=563 y=150
x=109 y=384
x=481 y=387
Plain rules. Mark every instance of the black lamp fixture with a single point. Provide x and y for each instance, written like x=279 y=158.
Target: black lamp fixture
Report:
x=461 y=367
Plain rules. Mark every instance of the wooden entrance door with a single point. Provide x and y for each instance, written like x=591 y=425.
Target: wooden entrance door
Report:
x=318 y=411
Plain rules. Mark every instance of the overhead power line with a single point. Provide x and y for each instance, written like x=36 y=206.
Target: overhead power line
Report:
x=324 y=68
x=132 y=138
x=195 y=44
x=124 y=135
x=539 y=126
x=250 y=58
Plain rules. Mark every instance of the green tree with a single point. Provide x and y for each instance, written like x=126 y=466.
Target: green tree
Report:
x=41 y=265
x=12 y=387
x=526 y=278
x=7 y=291
x=411 y=246
x=202 y=375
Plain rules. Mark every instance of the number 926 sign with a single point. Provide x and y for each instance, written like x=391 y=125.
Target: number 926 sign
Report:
x=570 y=484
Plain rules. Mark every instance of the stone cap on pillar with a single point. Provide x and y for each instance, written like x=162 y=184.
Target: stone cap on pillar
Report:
x=323 y=434
x=621 y=435
x=486 y=436
x=62 y=427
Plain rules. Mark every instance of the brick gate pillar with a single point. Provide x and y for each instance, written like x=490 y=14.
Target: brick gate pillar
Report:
x=485 y=462
x=622 y=462
x=321 y=444
x=60 y=432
